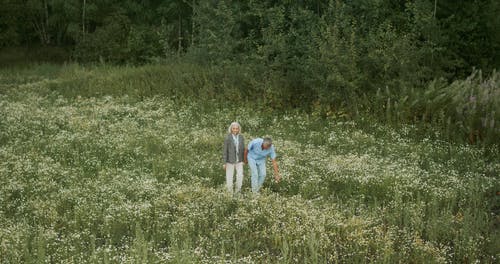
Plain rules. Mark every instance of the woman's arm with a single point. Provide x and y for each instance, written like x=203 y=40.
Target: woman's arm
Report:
x=224 y=151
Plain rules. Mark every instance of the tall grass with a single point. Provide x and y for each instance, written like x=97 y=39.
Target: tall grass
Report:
x=114 y=177
x=465 y=110
x=176 y=80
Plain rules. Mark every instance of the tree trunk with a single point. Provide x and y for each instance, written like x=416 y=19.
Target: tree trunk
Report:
x=192 y=24
x=435 y=8
x=83 y=18
x=40 y=22
x=46 y=27
x=179 y=48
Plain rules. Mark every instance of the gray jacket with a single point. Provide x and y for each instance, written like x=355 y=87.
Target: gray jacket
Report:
x=229 y=150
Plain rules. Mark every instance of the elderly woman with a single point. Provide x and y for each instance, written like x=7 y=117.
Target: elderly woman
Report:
x=232 y=156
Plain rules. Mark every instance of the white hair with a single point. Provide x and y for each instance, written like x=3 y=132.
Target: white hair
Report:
x=233 y=124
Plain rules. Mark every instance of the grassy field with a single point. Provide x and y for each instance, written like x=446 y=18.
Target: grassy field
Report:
x=112 y=178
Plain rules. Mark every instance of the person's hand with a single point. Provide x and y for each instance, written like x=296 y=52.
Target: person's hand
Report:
x=277 y=177
x=224 y=166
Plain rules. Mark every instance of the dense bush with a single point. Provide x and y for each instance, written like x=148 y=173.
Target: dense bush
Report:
x=465 y=109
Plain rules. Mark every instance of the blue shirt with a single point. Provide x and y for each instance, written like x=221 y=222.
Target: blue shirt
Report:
x=256 y=152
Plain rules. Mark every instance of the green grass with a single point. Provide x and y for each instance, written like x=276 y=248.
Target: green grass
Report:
x=25 y=56
x=120 y=177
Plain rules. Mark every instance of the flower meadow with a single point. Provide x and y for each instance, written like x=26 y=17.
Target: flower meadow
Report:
x=119 y=179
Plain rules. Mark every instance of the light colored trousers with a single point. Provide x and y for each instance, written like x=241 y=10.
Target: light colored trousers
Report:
x=258 y=173
x=229 y=176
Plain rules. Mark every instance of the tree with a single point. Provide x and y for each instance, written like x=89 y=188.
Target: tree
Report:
x=12 y=30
